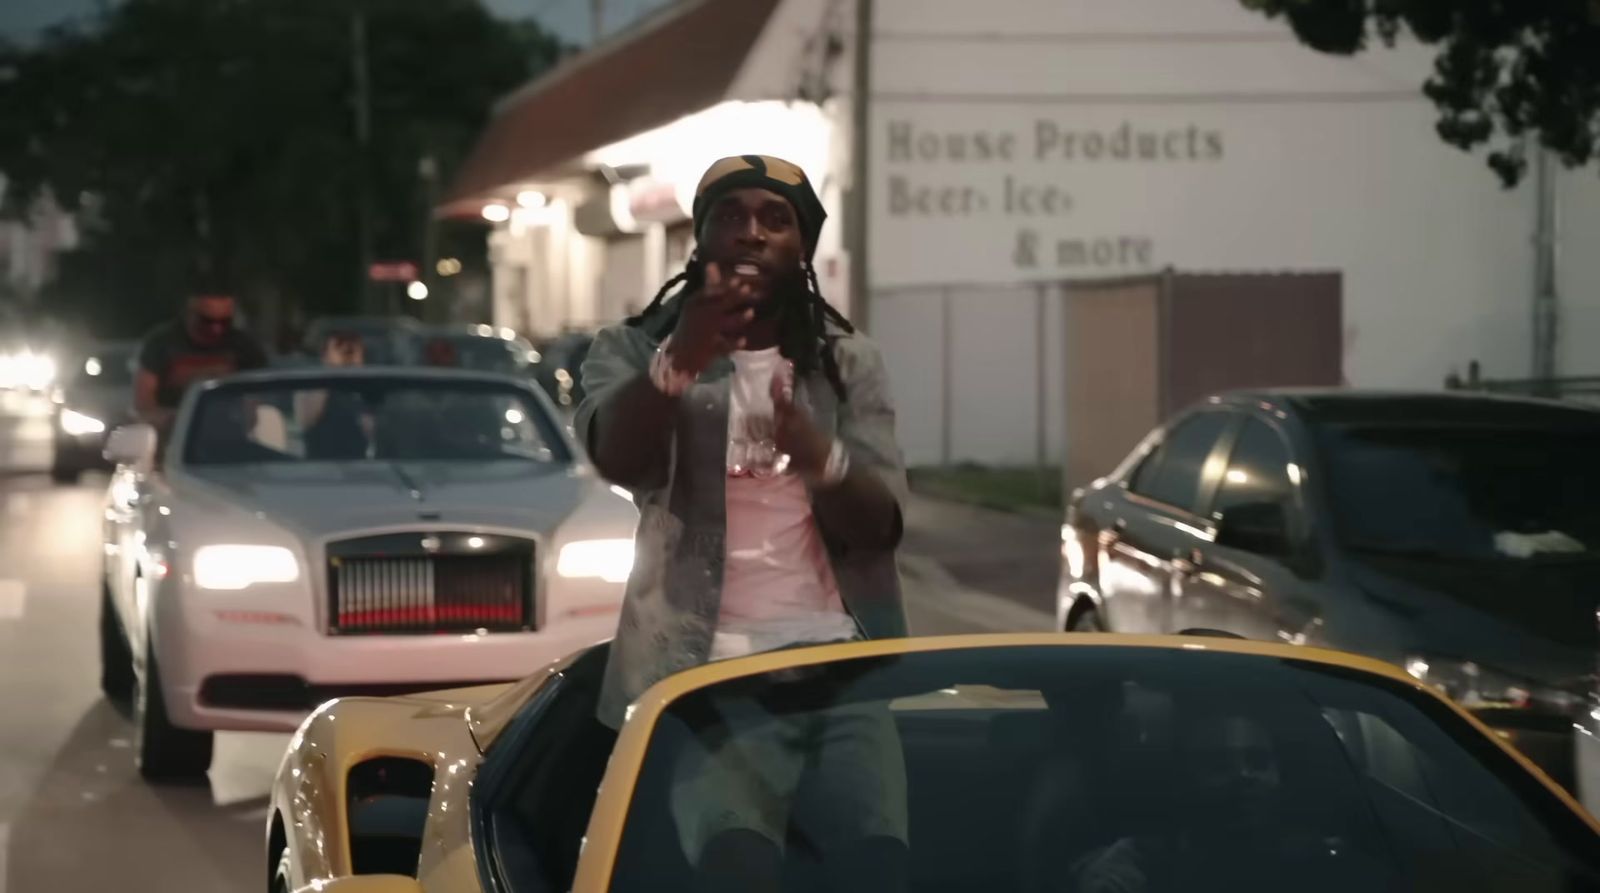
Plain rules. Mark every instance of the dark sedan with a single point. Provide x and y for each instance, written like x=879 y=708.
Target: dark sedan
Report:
x=1457 y=536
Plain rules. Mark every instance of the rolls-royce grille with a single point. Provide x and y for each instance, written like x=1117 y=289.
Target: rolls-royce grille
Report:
x=431 y=593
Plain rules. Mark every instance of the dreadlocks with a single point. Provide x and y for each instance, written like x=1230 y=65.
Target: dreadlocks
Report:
x=803 y=315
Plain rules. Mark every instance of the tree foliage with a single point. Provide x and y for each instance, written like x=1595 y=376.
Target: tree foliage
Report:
x=218 y=138
x=1506 y=71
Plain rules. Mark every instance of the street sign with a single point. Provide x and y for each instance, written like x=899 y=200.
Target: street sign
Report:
x=393 y=271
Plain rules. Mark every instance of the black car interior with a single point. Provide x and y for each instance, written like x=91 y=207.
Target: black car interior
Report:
x=1372 y=792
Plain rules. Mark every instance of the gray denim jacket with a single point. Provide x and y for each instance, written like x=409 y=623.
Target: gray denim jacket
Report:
x=675 y=592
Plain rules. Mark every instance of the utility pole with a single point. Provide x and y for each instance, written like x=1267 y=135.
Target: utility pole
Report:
x=362 y=109
x=860 y=145
x=1546 y=307
x=597 y=20
x=428 y=171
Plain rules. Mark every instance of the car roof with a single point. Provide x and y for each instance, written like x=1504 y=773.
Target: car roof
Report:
x=476 y=330
x=293 y=374
x=473 y=332
x=404 y=323
x=1475 y=408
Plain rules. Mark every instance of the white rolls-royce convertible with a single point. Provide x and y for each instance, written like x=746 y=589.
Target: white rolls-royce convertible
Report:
x=315 y=533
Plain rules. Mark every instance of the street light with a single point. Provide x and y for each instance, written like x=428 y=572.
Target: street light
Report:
x=531 y=199
x=417 y=291
x=496 y=213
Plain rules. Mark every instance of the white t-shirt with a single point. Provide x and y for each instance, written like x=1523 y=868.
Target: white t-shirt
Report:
x=777 y=586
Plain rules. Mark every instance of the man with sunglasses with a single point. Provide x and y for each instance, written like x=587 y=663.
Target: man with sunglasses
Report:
x=201 y=345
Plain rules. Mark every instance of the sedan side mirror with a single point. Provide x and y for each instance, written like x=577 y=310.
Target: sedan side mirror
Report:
x=367 y=883
x=133 y=445
x=1261 y=528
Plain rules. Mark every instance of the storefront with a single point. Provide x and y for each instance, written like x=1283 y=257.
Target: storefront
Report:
x=1021 y=152
x=588 y=174
x=1020 y=147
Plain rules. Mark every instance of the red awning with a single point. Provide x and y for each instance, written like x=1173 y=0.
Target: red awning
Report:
x=679 y=61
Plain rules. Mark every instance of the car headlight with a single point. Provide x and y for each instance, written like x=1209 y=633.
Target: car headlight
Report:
x=233 y=567
x=608 y=560
x=27 y=369
x=1477 y=687
x=78 y=425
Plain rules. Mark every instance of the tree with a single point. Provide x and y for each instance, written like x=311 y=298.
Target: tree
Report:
x=1507 y=70
x=217 y=139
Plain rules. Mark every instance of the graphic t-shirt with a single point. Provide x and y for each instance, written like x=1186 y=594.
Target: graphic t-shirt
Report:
x=778 y=587
x=177 y=362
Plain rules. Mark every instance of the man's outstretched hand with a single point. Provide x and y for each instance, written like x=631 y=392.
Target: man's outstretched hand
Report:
x=713 y=321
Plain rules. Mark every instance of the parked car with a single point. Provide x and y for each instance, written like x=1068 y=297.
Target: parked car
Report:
x=386 y=340
x=322 y=532
x=484 y=348
x=560 y=368
x=1018 y=762
x=96 y=398
x=1455 y=536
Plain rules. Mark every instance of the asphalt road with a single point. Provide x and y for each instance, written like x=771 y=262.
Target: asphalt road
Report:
x=74 y=815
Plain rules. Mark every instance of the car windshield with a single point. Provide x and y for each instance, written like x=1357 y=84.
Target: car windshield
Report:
x=1465 y=492
x=1074 y=768
x=354 y=419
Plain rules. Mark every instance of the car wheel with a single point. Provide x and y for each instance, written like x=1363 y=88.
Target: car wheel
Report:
x=116 y=660
x=1086 y=621
x=165 y=753
x=280 y=876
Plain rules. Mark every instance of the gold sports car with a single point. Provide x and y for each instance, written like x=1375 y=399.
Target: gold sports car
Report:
x=1033 y=763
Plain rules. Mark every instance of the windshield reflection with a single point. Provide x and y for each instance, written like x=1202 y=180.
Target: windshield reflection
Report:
x=1110 y=769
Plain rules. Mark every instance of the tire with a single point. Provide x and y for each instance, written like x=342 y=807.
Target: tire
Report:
x=116 y=660
x=165 y=753
x=1087 y=621
x=280 y=875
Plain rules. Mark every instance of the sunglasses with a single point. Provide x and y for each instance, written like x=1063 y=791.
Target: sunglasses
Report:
x=214 y=322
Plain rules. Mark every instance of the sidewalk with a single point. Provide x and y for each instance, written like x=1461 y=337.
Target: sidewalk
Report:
x=970 y=569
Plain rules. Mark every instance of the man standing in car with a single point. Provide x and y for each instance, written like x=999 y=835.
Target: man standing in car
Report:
x=203 y=344
x=754 y=428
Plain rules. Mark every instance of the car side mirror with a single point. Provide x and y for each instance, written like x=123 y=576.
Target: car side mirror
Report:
x=367 y=883
x=1261 y=528
x=133 y=445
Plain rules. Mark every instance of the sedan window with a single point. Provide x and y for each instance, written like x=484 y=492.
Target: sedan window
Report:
x=1258 y=470
x=1172 y=475
x=1458 y=492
